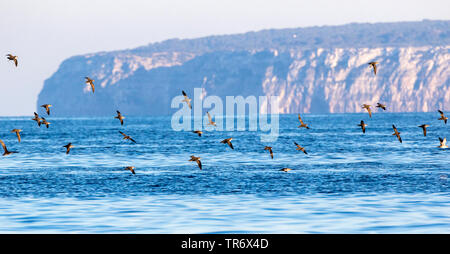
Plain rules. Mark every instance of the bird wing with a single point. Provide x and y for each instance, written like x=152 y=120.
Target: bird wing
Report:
x=209 y=117
x=15 y=61
x=271 y=153
x=300 y=119
x=374 y=69
x=199 y=164
x=370 y=112
x=296 y=144
x=121 y=121
x=184 y=94
x=424 y=130
x=122 y=133
x=231 y=145
x=440 y=112
x=18 y=136
x=133 y=140
x=93 y=87
x=4 y=146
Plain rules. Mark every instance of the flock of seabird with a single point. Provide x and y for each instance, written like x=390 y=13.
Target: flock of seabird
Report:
x=42 y=121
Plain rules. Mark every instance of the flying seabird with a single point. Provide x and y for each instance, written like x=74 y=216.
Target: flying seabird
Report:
x=210 y=120
x=45 y=122
x=47 y=108
x=227 y=141
x=12 y=58
x=444 y=118
x=68 y=146
x=443 y=143
x=270 y=150
x=368 y=109
x=120 y=117
x=90 y=82
x=379 y=105
x=299 y=148
x=374 y=66
x=6 y=150
x=125 y=136
x=17 y=131
x=199 y=133
x=131 y=168
x=186 y=99
x=196 y=159
x=363 y=126
x=285 y=169
x=397 y=134
x=424 y=127
x=37 y=119
x=302 y=124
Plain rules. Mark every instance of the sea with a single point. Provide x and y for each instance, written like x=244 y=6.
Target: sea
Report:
x=348 y=182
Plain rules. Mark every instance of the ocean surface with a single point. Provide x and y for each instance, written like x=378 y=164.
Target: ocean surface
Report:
x=349 y=182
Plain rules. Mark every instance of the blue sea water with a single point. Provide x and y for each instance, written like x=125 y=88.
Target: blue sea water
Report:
x=348 y=182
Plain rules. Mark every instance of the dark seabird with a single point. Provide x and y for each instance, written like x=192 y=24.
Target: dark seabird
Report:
x=379 y=105
x=444 y=118
x=125 y=136
x=424 y=127
x=299 y=148
x=270 y=150
x=196 y=159
x=199 y=133
x=227 y=141
x=210 y=120
x=47 y=108
x=302 y=124
x=68 y=147
x=131 y=168
x=396 y=133
x=285 y=169
x=5 y=149
x=442 y=143
x=186 y=99
x=374 y=66
x=368 y=109
x=37 y=119
x=12 y=58
x=90 y=82
x=363 y=126
x=45 y=122
x=17 y=131
x=120 y=117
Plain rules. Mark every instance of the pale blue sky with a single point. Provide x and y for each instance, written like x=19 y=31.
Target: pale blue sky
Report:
x=43 y=33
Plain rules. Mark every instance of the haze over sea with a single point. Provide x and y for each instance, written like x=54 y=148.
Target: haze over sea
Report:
x=349 y=182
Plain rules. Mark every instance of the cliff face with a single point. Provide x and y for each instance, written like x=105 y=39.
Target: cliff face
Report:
x=315 y=79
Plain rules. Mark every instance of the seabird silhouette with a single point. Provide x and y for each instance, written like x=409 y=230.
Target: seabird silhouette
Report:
x=368 y=109
x=227 y=141
x=374 y=66
x=120 y=117
x=299 y=148
x=17 y=131
x=12 y=58
x=68 y=147
x=302 y=124
x=45 y=122
x=442 y=143
x=199 y=133
x=47 y=108
x=270 y=150
x=196 y=159
x=125 y=136
x=37 y=119
x=5 y=149
x=363 y=126
x=90 y=82
x=444 y=118
x=186 y=99
x=379 y=105
x=396 y=133
x=424 y=127
x=285 y=169
x=131 y=168
x=211 y=122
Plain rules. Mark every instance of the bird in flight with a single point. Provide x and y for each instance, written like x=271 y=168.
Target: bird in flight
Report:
x=443 y=143
x=196 y=159
x=131 y=168
x=17 y=131
x=302 y=124
x=299 y=148
x=186 y=99
x=12 y=58
x=270 y=150
x=374 y=66
x=37 y=119
x=444 y=118
x=5 y=149
x=363 y=126
x=227 y=141
x=379 y=105
x=47 y=108
x=396 y=133
x=199 y=133
x=285 y=169
x=120 y=117
x=368 y=109
x=90 y=82
x=125 y=136
x=68 y=147
x=45 y=122
x=424 y=128
x=210 y=120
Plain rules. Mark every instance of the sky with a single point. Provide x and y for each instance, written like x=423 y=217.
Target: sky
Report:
x=44 y=33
